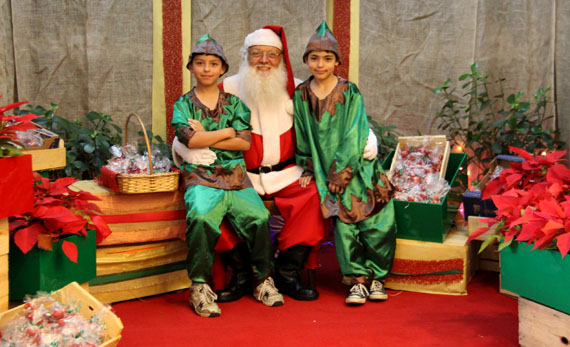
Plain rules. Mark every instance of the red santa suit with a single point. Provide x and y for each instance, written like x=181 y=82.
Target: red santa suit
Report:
x=271 y=165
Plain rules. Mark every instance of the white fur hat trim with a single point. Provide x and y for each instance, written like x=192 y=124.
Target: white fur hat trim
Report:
x=263 y=37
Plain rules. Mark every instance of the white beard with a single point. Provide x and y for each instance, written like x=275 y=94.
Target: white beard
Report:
x=258 y=91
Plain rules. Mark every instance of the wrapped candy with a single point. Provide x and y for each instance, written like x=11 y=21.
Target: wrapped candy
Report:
x=29 y=138
x=127 y=160
x=46 y=322
x=416 y=173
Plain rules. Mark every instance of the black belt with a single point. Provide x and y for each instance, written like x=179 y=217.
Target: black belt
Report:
x=277 y=167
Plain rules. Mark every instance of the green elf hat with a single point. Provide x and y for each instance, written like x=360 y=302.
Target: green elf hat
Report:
x=207 y=45
x=322 y=40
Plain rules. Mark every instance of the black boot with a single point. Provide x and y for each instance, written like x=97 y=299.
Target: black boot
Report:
x=288 y=273
x=242 y=277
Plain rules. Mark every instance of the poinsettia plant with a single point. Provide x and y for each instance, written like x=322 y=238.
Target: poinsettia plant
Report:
x=533 y=203
x=58 y=212
x=9 y=144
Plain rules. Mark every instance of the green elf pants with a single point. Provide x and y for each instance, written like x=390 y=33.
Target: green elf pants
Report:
x=206 y=207
x=368 y=245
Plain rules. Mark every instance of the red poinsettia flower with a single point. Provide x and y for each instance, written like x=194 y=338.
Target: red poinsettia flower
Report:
x=58 y=212
x=533 y=202
x=9 y=145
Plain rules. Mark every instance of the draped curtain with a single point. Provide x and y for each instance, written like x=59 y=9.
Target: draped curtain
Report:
x=98 y=55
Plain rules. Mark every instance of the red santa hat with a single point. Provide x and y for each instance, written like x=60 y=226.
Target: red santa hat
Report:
x=273 y=35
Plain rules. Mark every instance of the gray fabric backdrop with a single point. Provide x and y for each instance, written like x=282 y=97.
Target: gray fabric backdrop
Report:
x=97 y=55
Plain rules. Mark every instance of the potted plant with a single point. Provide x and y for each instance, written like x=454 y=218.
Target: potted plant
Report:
x=533 y=209
x=87 y=141
x=486 y=125
x=54 y=244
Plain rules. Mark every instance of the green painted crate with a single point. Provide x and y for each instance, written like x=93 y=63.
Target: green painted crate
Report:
x=431 y=222
x=41 y=270
x=539 y=275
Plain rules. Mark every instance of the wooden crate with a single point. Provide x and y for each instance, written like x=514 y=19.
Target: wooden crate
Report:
x=540 y=325
x=141 y=287
x=4 y=248
x=4 y=236
x=4 y=300
x=74 y=293
x=48 y=159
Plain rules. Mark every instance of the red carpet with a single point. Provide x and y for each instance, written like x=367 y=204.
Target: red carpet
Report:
x=483 y=318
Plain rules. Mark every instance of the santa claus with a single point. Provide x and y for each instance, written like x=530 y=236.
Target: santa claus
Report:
x=266 y=84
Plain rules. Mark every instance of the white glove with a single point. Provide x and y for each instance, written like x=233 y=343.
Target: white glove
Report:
x=371 y=148
x=199 y=156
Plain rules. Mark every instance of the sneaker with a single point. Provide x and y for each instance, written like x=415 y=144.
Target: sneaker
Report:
x=202 y=300
x=358 y=294
x=377 y=291
x=268 y=294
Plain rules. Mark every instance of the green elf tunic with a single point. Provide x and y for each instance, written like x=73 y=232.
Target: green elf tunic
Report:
x=220 y=190
x=331 y=136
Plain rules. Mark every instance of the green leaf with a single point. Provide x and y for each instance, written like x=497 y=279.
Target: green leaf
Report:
x=487 y=242
x=89 y=148
x=504 y=245
x=463 y=77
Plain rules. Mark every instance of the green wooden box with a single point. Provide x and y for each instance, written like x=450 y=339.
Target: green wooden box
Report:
x=41 y=270
x=431 y=222
x=540 y=275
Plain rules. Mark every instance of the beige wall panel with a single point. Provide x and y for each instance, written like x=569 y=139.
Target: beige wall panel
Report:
x=50 y=54
x=85 y=56
x=407 y=49
x=6 y=54
x=562 y=73
x=515 y=40
x=229 y=21
x=119 y=56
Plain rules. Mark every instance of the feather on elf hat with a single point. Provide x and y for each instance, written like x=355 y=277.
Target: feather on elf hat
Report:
x=207 y=45
x=322 y=40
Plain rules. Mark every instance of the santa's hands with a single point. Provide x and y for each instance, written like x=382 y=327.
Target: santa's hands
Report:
x=304 y=181
x=371 y=148
x=335 y=188
x=196 y=125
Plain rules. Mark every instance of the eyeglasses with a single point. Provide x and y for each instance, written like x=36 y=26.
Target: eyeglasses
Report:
x=256 y=55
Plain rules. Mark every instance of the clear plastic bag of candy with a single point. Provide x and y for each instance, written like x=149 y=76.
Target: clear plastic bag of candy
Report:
x=44 y=321
x=416 y=173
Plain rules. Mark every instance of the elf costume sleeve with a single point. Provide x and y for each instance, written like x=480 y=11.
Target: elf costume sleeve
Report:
x=332 y=132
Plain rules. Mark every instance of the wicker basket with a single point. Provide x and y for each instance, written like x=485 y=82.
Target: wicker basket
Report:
x=146 y=183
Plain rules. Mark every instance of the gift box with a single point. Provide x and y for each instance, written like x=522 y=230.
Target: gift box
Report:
x=430 y=221
x=541 y=275
x=140 y=287
x=430 y=267
x=73 y=294
x=127 y=272
x=138 y=218
x=473 y=205
x=42 y=270
x=16 y=186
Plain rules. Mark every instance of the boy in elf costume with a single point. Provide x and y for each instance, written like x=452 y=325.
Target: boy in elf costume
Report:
x=207 y=117
x=331 y=128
